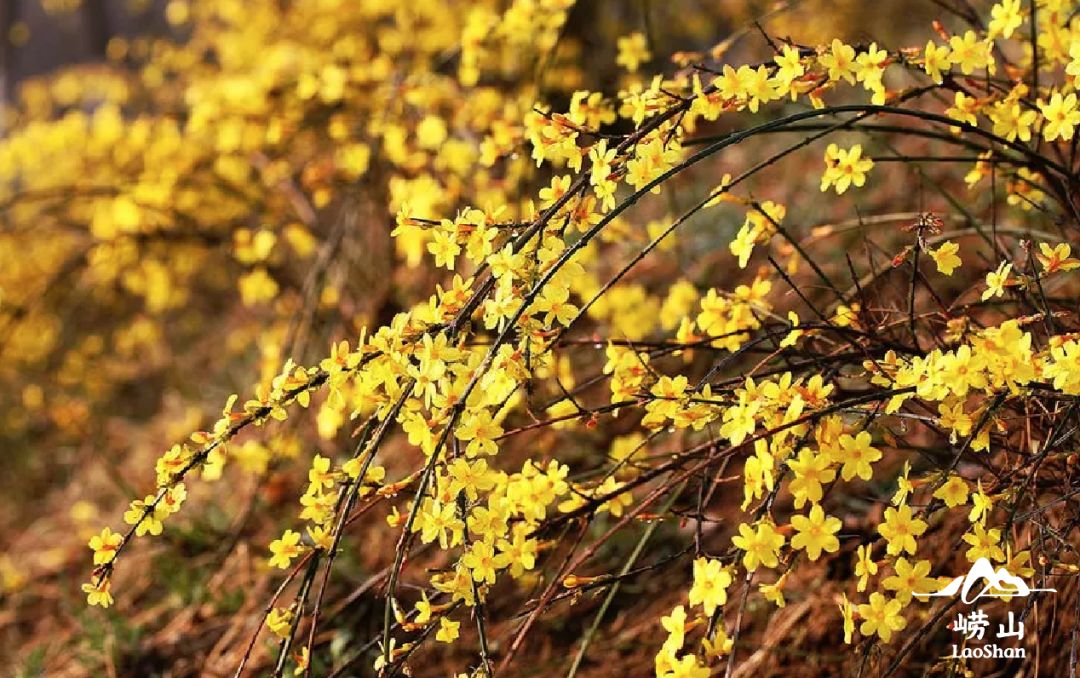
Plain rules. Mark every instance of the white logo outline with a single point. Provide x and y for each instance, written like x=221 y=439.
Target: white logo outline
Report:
x=999 y=584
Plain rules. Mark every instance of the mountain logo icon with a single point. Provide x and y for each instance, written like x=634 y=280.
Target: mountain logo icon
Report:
x=983 y=581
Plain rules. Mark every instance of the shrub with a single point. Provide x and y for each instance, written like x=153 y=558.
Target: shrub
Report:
x=772 y=320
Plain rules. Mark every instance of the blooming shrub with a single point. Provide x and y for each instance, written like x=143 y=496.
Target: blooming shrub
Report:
x=619 y=334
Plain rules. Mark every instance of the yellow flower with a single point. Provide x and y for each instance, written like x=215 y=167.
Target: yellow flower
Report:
x=793 y=336
x=980 y=505
x=759 y=88
x=373 y=476
x=847 y=316
x=774 y=593
x=318 y=506
x=302 y=660
x=1073 y=67
x=790 y=66
x=482 y=561
x=953 y=417
x=257 y=287
x=1005 y=18
x=881 y=616
x=431 y=132
x=99 y=594
x=731 y=83
x=711 y=580
x=589 y=109
x=1056 y=258
x=104 y=546
x=448 y=630
x=844 y=168
x=444 y=248
x=1018 y=565
x=480 y=428
x=1012 y=121
x=904 y=486
x=633 y=51
x=602 y=174
x=963 y=109
x=1061 y=116
x=847 y=611
x=1063 y=367
x=910 y=578
x=743 y=245
x=840 y=62
x=857 y=455
x=761 y=547
x=285 y=549
x=996 y=281
x=470 y=477
x=810 y=470
x=870 y=69
x=554 y=304
x=319 y=475
x=945 y=257
x=279 y=620
x=146 y=522
x=815 y=533
x=322 y=536
x=936 y=60
x=436 y=520
x=686 y=666
x=518 y=554
x=954 y=492
x=675 y=625
x=984 y=544
x=900 y=529
x=969 y=53
x=424 y=609
x=864 y=566
x=553 y=193
x=720 y=644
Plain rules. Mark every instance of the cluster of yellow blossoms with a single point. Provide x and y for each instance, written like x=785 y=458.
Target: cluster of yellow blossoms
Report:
x=449 y=371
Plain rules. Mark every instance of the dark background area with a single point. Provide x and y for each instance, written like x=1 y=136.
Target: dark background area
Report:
x=37 y=40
